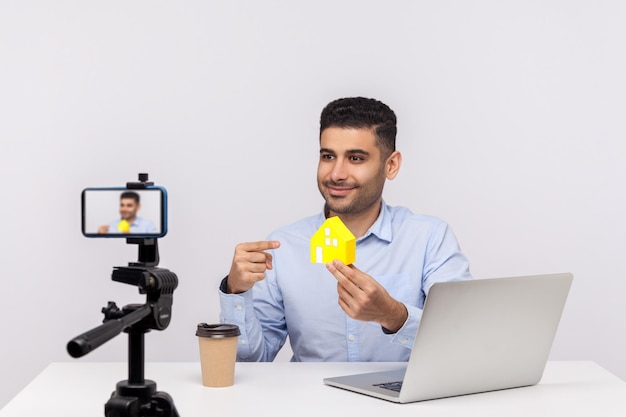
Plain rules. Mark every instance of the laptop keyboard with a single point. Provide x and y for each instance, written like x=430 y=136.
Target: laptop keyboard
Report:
x=393 y=386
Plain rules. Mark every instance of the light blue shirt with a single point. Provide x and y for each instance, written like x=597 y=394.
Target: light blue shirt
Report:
x=404 y=252
x=139 y=226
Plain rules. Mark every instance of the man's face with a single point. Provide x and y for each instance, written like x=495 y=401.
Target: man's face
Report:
x=128 y=208
x=351 y=173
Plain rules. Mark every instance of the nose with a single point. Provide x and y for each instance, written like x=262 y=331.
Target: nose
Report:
x=340 y=171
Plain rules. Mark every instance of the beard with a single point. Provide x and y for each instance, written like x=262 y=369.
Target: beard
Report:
x=128 y=216
x=360 y=199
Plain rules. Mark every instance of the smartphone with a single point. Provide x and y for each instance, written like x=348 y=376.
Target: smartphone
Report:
x=124 y=212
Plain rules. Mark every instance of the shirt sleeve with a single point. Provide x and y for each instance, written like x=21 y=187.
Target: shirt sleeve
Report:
x=443 y=262
x=238 y=309
x=261 y=319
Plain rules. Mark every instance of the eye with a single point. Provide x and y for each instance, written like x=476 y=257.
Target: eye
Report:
x=327 y=157
x=355 y=158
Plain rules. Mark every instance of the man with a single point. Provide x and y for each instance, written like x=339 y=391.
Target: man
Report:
x=369 y=311
x=129 y=222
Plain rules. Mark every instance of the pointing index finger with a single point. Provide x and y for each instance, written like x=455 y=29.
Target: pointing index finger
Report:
x=260 y=246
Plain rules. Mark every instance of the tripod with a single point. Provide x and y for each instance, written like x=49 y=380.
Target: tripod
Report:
x=136 y=396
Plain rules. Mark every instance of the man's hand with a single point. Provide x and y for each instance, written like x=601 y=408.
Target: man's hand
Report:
x=103 y=230
x=363 y=298
x=249 y=265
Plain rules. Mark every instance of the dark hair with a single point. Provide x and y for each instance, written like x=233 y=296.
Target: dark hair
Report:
x=359 y=113
x=130 y=194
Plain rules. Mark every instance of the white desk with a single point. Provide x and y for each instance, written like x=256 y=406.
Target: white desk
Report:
x=287 y=389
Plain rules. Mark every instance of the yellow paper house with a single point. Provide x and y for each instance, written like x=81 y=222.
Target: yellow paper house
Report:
x=333 y=241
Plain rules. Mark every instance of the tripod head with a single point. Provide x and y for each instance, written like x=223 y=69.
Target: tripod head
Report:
x=157 y=283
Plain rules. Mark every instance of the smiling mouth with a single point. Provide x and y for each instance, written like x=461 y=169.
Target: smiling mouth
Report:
x=339 y=191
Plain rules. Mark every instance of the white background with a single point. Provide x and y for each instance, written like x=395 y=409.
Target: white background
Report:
x=512 y=120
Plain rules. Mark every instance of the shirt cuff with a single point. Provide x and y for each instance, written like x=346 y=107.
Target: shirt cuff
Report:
x=235 y=307
x=406 y=335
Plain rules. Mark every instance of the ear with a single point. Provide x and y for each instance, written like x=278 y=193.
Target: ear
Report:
x=392 y=165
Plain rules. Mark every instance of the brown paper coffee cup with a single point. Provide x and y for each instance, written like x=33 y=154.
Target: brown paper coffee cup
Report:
x=218 y=352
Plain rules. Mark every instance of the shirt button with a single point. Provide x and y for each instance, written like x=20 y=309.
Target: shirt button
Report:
x=351 y=337
x=404 y=341
x=239 y=308
x=243 y=342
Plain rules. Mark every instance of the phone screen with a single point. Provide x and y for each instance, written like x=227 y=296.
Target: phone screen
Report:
x=123 y=212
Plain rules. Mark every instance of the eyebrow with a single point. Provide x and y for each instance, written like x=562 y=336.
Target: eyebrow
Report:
x=348 y=152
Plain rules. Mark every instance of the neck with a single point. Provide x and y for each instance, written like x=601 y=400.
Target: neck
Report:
x=359 y=223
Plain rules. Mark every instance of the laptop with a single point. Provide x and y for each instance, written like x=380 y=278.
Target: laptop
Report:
x=474 y=336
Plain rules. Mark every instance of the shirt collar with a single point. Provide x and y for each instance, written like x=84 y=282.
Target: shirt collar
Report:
x=381 y=228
